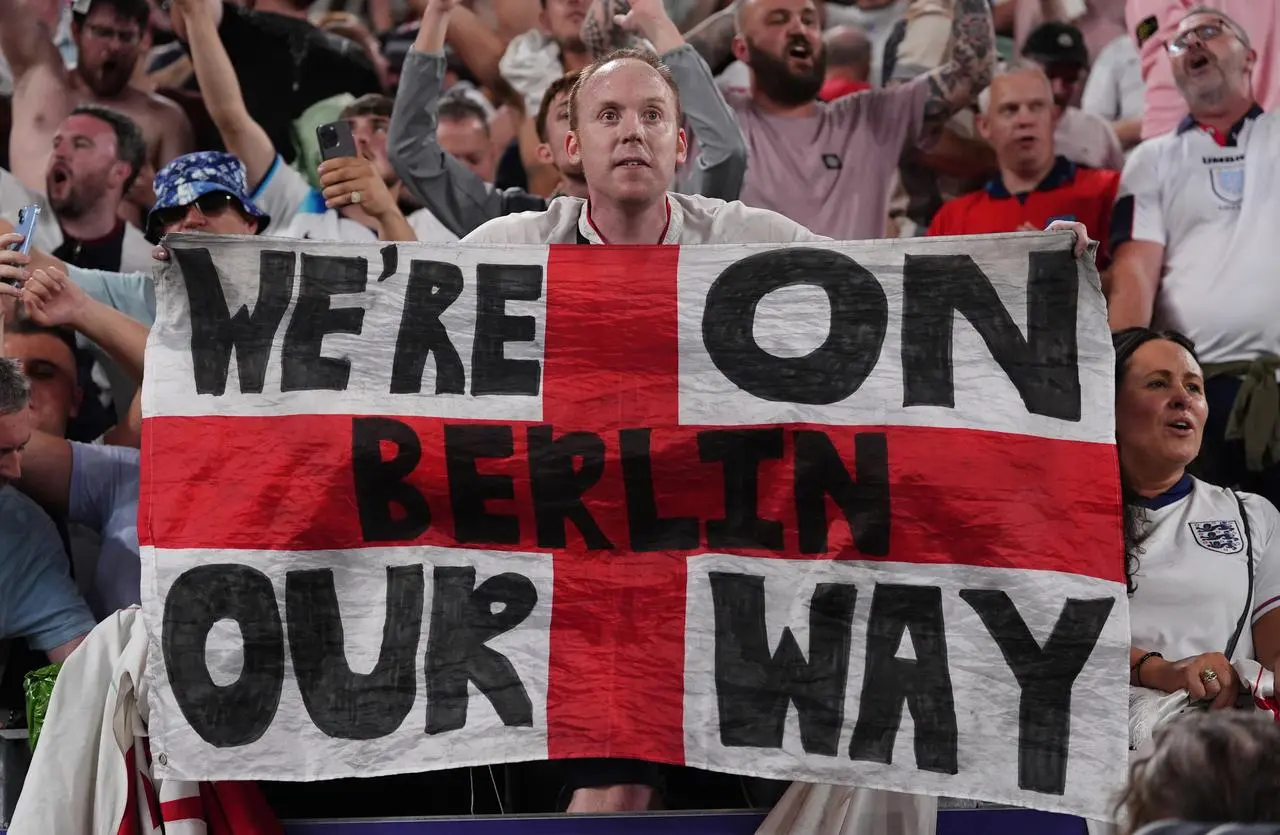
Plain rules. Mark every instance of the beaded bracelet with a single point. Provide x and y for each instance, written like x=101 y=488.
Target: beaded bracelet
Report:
x=1137 y=668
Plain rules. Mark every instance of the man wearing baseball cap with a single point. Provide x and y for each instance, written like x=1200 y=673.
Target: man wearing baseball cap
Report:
x=1083 y=138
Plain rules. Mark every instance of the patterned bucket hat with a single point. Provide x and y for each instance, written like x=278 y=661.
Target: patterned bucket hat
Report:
x=191 y=176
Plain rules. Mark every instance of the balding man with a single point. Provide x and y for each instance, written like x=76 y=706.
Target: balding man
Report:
x=1036 y=186
x=848 y=62
x=1193 y=236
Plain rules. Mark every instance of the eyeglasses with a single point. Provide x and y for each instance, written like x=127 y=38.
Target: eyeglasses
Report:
x=211 y=204
x=1204 y=33
x=127 y=37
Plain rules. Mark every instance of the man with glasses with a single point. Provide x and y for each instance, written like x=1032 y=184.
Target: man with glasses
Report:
x=1193 y=237
x=1083 y=138
x=1154 y=23
x=110 y=36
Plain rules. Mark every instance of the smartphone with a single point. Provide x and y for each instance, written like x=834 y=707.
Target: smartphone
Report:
x=336 y=140
x=27 y=217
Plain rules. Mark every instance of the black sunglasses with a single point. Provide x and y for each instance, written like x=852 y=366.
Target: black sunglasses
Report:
x=212 y=203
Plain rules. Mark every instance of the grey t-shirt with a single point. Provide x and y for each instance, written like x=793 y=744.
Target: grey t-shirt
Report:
x=831 y=171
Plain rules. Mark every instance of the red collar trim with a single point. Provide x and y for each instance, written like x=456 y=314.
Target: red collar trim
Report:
x=661 y=238
x=1222 y=139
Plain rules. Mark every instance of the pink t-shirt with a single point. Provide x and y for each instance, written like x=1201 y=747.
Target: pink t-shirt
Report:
x=831 y=171
x=1165 y=107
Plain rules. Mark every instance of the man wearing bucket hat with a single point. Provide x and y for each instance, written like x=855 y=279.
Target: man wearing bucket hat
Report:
x=200 y=192
x=204 y=192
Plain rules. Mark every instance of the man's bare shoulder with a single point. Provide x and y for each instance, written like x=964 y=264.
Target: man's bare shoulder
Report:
x=40 y=85
x=145 y=102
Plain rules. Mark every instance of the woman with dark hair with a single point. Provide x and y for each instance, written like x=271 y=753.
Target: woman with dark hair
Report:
x=1202 y=562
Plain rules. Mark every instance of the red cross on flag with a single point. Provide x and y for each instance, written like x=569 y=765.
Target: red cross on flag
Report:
x=840 y=513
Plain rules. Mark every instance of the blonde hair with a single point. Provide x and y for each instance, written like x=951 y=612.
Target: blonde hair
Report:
x=1018 y=66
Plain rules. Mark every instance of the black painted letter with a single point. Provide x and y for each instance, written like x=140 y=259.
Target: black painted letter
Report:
x=214 y=330
x=238 y=713
x=432 y=287
x=380 y=485
x=754 y=687
x=740 y=452
x=302 y=368
x=1042 y=366
x=558 y=486
x=462 y=622
x=491 y=371
x=865 y=501
x=924 y=684
x=469 y=490
x=648 y=530
x=832 y=372
x=1046 y=677
x=344 y=704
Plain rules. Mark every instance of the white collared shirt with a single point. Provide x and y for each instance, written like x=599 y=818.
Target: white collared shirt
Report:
x=1216 y=211
x=694 y=220
x=1192 y=577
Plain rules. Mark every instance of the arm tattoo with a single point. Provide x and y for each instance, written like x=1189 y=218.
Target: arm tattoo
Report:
x=956 y=84
x=600 y=35
x=594 y=36
x=713 y=37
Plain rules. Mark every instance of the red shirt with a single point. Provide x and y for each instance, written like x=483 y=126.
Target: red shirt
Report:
x=1067 y=193
x=834 y=88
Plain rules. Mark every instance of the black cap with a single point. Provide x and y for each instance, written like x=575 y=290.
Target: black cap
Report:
x=1056 y=43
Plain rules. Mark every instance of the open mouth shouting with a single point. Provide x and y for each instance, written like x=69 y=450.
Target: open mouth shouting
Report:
x=800 y=52
x=59 y=177
x=1198 y=62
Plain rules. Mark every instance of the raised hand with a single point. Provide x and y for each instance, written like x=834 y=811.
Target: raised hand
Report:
x=52 y=299
x=648 y=18
x=12 y=264
x=349 y=181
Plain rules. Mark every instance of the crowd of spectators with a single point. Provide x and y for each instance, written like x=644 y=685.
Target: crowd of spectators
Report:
x=1148 y=121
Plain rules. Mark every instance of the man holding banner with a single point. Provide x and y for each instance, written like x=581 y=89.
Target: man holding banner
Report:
x=625 y=133
x=624 y=130
x=737 y=508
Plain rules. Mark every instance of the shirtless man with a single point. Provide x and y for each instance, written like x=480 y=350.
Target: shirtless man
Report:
x=109 y=38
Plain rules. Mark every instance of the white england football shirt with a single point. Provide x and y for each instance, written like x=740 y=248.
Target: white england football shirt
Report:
x=1192 y=573
x=1216 y=211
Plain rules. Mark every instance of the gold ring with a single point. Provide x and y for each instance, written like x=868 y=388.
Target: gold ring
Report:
x=1207 y=675
x=355 y=197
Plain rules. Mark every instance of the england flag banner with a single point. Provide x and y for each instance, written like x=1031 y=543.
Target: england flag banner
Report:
x=840 y=513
